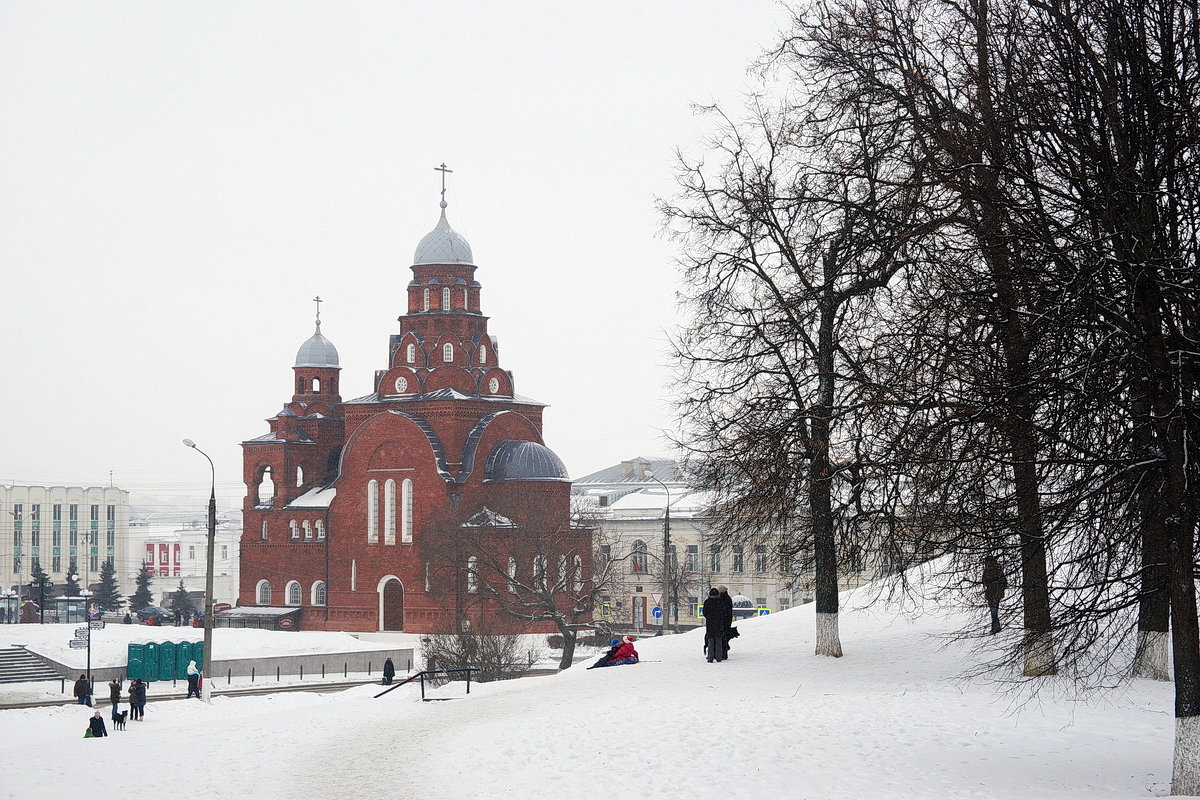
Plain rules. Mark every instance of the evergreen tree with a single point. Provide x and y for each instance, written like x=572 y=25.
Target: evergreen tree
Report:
x=40 y=587
x=142 y=596
x=181 y=602
x=71 y=589
x=108 y=595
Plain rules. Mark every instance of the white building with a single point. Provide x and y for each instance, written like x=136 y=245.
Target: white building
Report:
x=54 y=524
x=179 y=552
x=628 y=503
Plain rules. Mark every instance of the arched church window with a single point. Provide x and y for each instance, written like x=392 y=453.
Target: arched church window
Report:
x=483 y=354
x=318 y=593
x=473 y=575
x=563 y=577
x=263 y=593
x=512 y=574
x=293 y=593
x=466 y=299
x=426 y=293
x=406 y=510
x=316 y=385
x=265 y=489
x=300 y=382
x=320 y=530
x=372 y=511
x=448 y=353
x=428 y=576
x=295 y=528
x=389 y=512
x=299 y=476
x=307 y=531
x=445 y=298
x=577 y=574
x=539 y=572
x=410 y=353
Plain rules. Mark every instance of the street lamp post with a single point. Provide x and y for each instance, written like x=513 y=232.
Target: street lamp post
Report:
x=206 y=671
x=666 y=558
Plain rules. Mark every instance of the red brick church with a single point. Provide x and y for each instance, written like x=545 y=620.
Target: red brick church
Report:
x=359 y=512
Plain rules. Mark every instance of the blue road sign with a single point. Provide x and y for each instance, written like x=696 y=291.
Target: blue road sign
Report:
x=656 y=612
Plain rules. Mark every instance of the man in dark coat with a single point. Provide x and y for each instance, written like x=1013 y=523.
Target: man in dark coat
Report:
x=716 y=624
x=83 y=691
x=389 y=671
x=96 y=725
x=727 y=605
x=137 y=699
x=994 y=587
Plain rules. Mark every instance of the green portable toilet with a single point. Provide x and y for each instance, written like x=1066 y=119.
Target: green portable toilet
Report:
x=183 y=654
x=166 y=661
x=150 y=661
x=198 y=655
x=135 y=661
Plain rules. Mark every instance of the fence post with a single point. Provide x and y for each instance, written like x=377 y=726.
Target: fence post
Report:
x=301 y=672
x=469 y=681
x=276 y=672
x=229 y=676
x=345 y=668
x=252 y=670
x=422 y=685
x=322 y=671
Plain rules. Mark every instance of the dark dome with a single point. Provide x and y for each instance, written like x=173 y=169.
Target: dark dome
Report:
x=513 y=460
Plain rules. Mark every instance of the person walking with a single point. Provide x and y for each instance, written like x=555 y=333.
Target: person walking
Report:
x=96 y=726
x=994 y=587
x=83 y=691
x=389 y=671
x=137 y=699
x=193 y=675
x=715 y=626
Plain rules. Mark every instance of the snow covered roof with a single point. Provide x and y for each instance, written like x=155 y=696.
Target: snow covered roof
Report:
x=319 y=497
x=443 y=245
x=639 y=470
x=317 y=351
x=486 y=518
x=242 y=612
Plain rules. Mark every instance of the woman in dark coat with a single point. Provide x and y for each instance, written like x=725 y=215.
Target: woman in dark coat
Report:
x=96 y=725
x=994 y=587
x=114 y=693
x=389 y=671
x=715 y=626
x=137 y=699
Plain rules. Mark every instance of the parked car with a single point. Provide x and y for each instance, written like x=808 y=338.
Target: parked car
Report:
x=160 y=615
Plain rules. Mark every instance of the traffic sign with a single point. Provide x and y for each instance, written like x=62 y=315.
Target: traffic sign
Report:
x=80 y=633
x=97 y=624
x=656 y=612
x=762 y=612
x=656 y=597
x=78 y=643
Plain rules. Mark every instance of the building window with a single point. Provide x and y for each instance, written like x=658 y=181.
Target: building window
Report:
x=372 y=511
x=483 y=354
x=191 y=552
x=295 y=528
x=739 y=564
x=512 y=574
x=35 y=525
x=318 y=593
x=760 y=602
x=426 y=293
x=293 y=593
x=389 y=512
x=637 y=557
x=715 y=556
x=264 y=593
x=428 y=576
x=760 y=558
x=693 y=558
x=354 y=575
x=406 y=510
x=263 y=535
x=56 y=560
x=784 y=603
x=307 y=531
x=320 y=530
x=448 y=353
x=299 y=477
x=473 y=575
x=445 y=298
x=577 y=574
x=410 y=353
x=266 y=488
x=563 y=576
x=694 y=606
x=224 y=552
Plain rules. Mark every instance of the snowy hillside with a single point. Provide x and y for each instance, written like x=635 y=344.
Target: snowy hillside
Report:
x=889 y=720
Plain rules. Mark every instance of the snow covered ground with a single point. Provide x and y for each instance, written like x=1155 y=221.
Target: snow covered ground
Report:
x=889 y=720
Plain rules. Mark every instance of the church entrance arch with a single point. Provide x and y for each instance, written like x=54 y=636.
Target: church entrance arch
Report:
x=391 y=604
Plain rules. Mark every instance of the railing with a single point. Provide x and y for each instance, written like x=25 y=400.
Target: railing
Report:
x=430 y=672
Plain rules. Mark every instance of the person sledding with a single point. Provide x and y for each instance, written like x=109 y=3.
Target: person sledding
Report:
x=620 y=652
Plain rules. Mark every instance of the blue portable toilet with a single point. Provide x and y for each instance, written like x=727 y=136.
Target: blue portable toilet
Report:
x=135 y=661
x=150 y=662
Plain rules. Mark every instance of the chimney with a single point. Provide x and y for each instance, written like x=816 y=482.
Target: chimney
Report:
x=626 y=469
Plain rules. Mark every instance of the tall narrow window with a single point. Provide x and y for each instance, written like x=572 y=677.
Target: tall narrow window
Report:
x=539 y=572
x=264 y=593
x=637 y=559
x=318 y=593
x=563 y=577
x=307 y=531
x=406 y=510
x=448 y=353
x=738 y=561
x=512 y=574
x=483 y=354
x=389 y=512
x=263 y=535
x=299 y=476
x=372 y=511
x=473 y=575
x=715 y=556
x=760 y=558
x=428 y=577
x=445 y=298
x=320 y=530
x=411 y=353
x=577 y=574
x=295 y=528
x=293 y=593
x=426 y=293
x=266 y=488
x=354 y=575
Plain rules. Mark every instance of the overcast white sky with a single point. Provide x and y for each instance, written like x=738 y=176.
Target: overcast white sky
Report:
x=178 y=180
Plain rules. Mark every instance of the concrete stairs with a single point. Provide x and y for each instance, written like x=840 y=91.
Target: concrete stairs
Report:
x=17 y=665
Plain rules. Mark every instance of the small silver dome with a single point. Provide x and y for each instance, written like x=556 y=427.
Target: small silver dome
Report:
x=513 y=460
x=443 y=245
x=317 y=351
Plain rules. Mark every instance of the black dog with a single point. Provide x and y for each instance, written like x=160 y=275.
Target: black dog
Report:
x=119 y=719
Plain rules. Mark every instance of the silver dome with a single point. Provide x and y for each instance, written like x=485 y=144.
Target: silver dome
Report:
x=443 y=245
x=513 y=460
x=317 y=351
